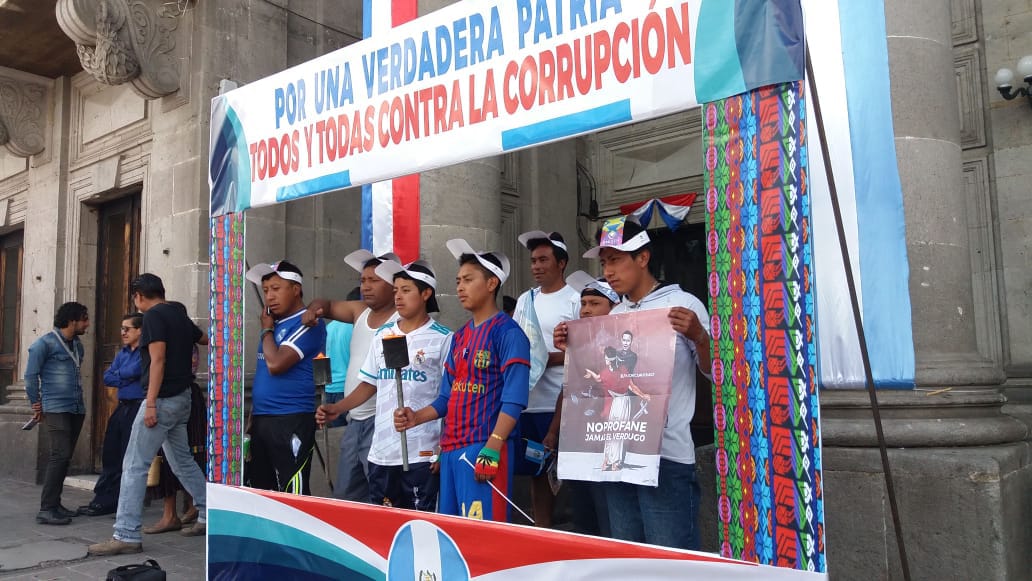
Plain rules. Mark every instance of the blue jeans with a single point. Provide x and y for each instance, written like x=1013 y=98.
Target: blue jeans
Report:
x=170 y=435
x=666 y=515
x=353 y=467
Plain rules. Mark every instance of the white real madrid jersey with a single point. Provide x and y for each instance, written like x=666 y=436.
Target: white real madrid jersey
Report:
x=428 y=347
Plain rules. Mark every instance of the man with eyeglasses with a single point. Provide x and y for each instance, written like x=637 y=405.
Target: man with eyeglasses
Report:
x=124 y=373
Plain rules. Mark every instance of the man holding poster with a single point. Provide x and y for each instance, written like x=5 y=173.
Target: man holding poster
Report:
x=664 y=514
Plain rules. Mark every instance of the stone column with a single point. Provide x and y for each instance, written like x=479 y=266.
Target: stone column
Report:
x=927 y=129
x=459 y=201
x=927 y=137
x=960 y=466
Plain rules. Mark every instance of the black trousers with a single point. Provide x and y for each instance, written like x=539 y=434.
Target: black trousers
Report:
x=116 y=440
x=281 y=452
x=63 y=431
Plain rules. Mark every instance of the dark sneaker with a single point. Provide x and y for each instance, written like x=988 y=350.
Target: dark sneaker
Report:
x=115 y=547
x=51 y=517
x=198 y=529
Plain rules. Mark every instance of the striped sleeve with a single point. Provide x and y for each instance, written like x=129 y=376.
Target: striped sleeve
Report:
x=307 y=341
x=515 y=347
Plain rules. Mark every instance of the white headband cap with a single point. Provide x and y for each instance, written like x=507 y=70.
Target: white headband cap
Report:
x=526 y=237
x=612 y=236
x=388 y=268
x=258 y=271
x=458 y=247
x=581 y=281
x=360 y=257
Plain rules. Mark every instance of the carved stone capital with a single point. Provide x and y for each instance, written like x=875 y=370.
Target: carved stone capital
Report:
x=24 y=102
x=124 y=41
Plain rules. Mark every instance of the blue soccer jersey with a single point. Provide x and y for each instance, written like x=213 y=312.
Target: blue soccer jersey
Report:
x=488 y=370
x=291 y=392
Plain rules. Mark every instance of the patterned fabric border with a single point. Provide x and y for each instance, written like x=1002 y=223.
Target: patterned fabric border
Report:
x=770 y=500
x=225 y=354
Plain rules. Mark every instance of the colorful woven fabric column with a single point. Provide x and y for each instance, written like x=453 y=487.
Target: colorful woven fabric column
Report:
x=770 y=499
x=225 y=352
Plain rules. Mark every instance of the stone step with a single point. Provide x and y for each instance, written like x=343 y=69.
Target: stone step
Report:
x=82 y=481
x=14 y=394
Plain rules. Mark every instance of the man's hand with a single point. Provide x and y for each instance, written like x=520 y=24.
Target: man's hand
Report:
x=268 y=322
x=551 y=440
x=685 y=322
x=404 y=418
x=559 y=334
x=486 y=467
x=37 y=410
x=316 y=310
x=326 y=414
x=150 y=416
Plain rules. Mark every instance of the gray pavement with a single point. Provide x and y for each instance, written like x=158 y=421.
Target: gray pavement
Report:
x=33 y=551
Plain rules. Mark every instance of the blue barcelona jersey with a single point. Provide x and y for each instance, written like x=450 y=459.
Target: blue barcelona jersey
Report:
x=488 y=368
x=291 y=392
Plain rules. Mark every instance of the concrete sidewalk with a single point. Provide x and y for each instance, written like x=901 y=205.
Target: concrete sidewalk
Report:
x=32 y=551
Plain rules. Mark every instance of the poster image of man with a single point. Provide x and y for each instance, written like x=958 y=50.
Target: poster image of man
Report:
x=618 y=375
x=627 y=357
x=618 y=387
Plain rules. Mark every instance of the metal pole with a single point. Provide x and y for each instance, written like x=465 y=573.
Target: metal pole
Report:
x=404 y=435
x=326 y=444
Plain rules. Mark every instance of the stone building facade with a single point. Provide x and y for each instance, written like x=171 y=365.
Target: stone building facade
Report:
x=104 y=175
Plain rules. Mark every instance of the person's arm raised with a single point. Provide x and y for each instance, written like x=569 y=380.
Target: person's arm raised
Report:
x=343 y=311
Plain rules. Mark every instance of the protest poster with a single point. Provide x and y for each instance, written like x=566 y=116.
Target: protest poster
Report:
x=619 y=370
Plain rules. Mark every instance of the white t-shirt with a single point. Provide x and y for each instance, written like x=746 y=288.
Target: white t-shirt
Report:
x=677 y=444
x=552 y=309
x=361 y=337
x=428 y=347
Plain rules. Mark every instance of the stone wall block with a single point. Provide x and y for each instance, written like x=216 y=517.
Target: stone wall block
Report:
x=912 y=19
x=462 y=194
x=948 y=498
x=917 y=68
x=1018 y=286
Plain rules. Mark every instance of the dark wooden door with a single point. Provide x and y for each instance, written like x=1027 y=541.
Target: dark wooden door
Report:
x=118 y=259
x=680 y=256
x=10 y=305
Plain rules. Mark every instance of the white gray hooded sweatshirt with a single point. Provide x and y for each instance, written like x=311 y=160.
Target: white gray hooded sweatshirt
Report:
x=677 y=443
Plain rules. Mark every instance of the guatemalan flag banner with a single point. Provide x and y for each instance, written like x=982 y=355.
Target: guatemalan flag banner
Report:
x=255 y=534
x=849 y=51
x=484 y=77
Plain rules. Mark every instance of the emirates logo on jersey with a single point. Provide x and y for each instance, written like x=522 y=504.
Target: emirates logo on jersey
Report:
x=482 y=359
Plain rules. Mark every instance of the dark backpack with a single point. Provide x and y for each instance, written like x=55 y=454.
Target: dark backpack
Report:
x=149 y=570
